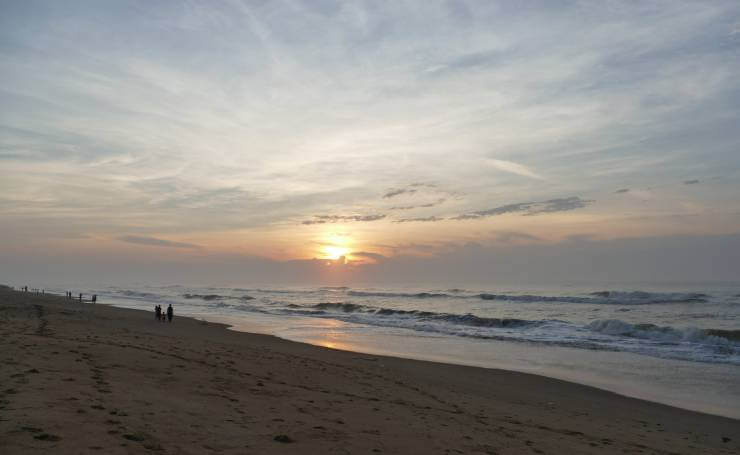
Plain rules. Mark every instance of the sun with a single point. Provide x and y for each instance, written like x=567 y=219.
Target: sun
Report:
x=334 y=251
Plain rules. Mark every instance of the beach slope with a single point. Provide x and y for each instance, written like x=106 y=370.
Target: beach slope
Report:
x=83 y=378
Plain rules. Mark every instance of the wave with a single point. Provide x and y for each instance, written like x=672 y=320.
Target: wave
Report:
x=139 y=294
x=606 y=298
x=653 y=297
x=417 y=295
x=339 y=306
x=287 y=291
x=732 y=335
x=535 y=298
x=204 y=296
x=425 y=316
x=693 y=344
x=211 y=297
x=664 y=333
x=598 y=298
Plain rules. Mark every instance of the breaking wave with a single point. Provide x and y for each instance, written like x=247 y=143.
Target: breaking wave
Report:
x=211 y=297
x=417 y=295
x=204 y=296
x=652 y=297
x=600 y=297
x=139 y=294
x=426 y=316
x=664 y=333
x=606 y=298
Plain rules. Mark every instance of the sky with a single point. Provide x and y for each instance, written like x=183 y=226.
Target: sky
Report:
x=375 y=141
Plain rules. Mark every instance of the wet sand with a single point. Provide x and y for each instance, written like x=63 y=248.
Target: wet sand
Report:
x=83 y=378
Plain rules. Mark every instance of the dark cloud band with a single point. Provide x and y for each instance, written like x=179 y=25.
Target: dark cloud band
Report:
x=530 y=208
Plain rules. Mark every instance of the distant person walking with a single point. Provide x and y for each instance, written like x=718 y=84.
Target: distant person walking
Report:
x=80 y=296
x=157 y=312
x=169 y=313
x=94 y=298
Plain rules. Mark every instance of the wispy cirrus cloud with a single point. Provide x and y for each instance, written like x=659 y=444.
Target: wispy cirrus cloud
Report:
x=398 y=192
x=401 y=102
x=514 y=168
x=419 y=206
x=426 y=219
x=322 y=219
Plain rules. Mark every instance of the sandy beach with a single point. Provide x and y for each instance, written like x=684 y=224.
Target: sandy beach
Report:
x=83 y=378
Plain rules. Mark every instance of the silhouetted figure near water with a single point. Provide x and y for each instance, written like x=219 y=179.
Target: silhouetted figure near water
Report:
x=94 y=298
x=80 y=297
x=169 y=313
x=157 y=312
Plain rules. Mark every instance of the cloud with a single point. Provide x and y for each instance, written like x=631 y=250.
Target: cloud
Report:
x=152 y=241
x=430 y=204
x=502 y=210
x=529 y=208
x=559 y=205
x=366 y=254
x=514 y=168
x=560 y=99
x=397 y=192
x=622 y=190
x=322 y=219
x=425 y=219
x=691 y=182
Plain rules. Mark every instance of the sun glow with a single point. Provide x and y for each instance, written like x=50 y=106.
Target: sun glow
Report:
x=334 y=245
x=334 y=251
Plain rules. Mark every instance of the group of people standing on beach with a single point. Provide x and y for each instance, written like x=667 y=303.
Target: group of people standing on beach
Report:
x=67 y=294
x=161 y=315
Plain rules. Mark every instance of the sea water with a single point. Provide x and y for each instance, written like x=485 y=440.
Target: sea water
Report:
x=675 y=344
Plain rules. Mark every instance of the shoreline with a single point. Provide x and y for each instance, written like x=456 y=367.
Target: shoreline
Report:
x=443 y=351
x=159 y=382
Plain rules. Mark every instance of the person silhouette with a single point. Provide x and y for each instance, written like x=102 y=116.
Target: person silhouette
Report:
x=170 y=311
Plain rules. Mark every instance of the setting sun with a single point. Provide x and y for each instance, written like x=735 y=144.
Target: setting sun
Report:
x=335 y=252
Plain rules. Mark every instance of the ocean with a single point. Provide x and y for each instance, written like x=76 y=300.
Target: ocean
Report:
x=674 y=344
